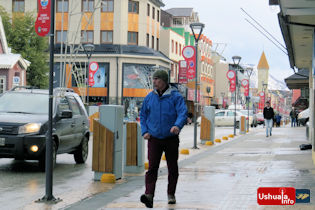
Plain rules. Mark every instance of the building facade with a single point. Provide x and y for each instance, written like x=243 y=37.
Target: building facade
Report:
x=12 y=66
x=126 y=36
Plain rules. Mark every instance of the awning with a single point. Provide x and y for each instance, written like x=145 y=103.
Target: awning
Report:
x=298 y=80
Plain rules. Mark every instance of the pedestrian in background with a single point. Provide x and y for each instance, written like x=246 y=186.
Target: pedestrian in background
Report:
x=163 y=115
x=278 y=119
x=293 y=117
x=268 y=116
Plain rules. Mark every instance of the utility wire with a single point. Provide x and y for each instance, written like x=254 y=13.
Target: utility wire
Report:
x=263 y=28
x=266 y=36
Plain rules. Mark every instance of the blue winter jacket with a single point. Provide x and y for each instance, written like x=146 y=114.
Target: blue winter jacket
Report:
x=159 y=114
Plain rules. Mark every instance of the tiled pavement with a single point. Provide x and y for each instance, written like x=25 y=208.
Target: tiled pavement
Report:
x=225 y=176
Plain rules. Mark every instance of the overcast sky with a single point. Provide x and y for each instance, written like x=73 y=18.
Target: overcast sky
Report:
x=225 y=23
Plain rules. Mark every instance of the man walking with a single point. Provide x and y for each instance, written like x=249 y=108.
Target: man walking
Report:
x=268 y=116
x=293 y=117
x=163 y=115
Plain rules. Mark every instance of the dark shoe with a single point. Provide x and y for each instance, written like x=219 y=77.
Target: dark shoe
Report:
x=267 y=136
x=270 y=134
x=171 y=199
x=147 y=199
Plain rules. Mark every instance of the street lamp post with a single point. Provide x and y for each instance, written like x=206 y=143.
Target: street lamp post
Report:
x=196 y=29
x=264 y=88
x=249 y=72
x=236 y=61
x=88 y=49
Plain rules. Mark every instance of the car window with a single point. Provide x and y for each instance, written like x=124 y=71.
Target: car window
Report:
x=63 y=104
x=219 y=114
x=74 y=105
x=230 y=113
x=33 y=103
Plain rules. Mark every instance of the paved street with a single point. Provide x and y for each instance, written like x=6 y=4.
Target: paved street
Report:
x=22 y=183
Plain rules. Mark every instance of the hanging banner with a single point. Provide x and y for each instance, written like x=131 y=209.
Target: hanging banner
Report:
x=189 y=53
x=182 y=74
x=262 y=100
x=42 y=24
x=93 y=67
x=232 y=78
x=245 y=85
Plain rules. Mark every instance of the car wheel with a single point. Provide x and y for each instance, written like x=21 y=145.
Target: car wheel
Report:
x=42 y=160
x=82 y=152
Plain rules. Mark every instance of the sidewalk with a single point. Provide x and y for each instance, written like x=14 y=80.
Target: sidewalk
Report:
x=225 y=176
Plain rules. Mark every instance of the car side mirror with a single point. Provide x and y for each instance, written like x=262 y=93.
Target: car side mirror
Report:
x=66 y=114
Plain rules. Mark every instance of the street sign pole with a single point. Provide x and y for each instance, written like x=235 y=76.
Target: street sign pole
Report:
x=49 y=141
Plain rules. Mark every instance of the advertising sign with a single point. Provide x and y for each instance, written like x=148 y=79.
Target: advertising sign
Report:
x=182 y=74
x=93 y=67
x=42 y=24
x=189 y=53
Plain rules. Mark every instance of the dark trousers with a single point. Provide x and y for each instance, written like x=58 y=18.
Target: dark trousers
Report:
x=155 y=151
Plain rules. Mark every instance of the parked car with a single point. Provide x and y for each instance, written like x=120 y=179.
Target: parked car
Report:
x=24 y=125
x=226 y=118
x=303 y=117
x=252 y=117
x=260 y=118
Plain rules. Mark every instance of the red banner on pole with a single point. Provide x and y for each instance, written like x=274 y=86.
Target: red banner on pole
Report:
x=231 y=75
x=262 y=100
x=182 y=74
x=245 y=84
x=189 y=53
x=93 y=67
x=42 y=24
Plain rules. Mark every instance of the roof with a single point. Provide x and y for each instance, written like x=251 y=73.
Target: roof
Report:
x=158 y=3
x=180 y=12
x=119 y=49
x=263 y=63
x=7 y=61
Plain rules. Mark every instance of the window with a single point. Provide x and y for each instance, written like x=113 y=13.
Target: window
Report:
x=107 y=5
x=133 y=7
x=87 y=5
x=152 y=42
x=148 y=10
x=18 y=5
x=153 y=13
x=63 y=105
x=61 y=36
x=177 y=21
x=87 y=36
x=157 y=44
x=3 y=85
x=75 y=106
x=219 y=114
x=62 y=6
x=133 y=38
x=158 y=16
x=107 y=37
x=230 y=113
x=176 y=47
x=148 y=40
x=180 y=50
x=172 y=46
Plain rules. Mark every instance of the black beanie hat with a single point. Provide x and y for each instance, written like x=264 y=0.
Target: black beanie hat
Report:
x=161 y=74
